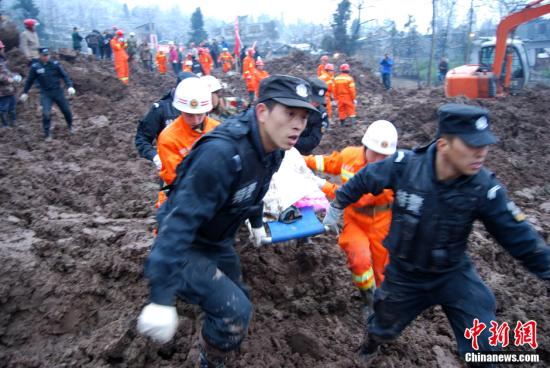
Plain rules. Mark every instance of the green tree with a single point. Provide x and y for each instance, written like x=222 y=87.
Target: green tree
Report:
x=197 y=33
x=339 y=26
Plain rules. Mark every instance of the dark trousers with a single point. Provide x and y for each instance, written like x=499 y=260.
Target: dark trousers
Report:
x=177 y=68
x=7 y=110
x=214 y=281
x=47 y=98
x=461 y=293
x=386 y=79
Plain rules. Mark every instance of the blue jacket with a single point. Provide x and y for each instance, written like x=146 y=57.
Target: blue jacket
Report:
x=219 y=184
x=432 y=220
x=386 y=65
x=48 y=76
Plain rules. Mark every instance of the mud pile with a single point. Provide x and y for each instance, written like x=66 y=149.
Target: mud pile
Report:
x=78 y=214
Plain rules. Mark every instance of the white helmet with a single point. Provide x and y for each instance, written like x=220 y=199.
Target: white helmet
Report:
x=381 y=137
x=213 y=83
x=132 y=34
x=193 y=96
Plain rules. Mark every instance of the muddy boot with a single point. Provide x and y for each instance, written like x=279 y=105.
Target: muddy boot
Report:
x=367 y=296
x=343 y=122
x=12 y=118
x=369 y=349
x=210 y=356
x=352 y=121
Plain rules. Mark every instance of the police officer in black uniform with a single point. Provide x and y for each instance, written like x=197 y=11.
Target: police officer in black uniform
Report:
x=312 y=135
x=440 y=190
x=161 y=114
x=219 y=185
x=48 y=73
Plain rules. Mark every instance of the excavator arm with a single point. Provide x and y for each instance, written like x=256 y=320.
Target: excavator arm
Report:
x=506 y=26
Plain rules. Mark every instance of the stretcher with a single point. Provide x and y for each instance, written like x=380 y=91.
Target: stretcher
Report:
x=307 y=225
x=293 y=190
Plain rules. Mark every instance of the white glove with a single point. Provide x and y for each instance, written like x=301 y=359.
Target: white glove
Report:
x=17 y=78
x=159 y=322
x=258 y=233
x=24 y=97
x=334 y=103
x=355 y=102
x=332 y=218
x=157 y=162
x=71 y=91
x=320 y=182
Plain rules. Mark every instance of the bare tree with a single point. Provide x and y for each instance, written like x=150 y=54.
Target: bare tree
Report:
x=432 y=48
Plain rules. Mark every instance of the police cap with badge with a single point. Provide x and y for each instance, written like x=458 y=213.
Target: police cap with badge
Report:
x=318 y=90
x=287 y=90
x=43 y=51
x=470 y=123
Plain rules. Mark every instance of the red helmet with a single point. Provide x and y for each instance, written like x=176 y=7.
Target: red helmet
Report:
x=29 y=23
x=201 y=50
x=324 y=58
x=329 y=67
x=344 y=68
x=120 y=32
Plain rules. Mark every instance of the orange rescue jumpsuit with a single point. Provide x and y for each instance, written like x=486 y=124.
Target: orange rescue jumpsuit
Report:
x=257 y=78
x=226 y=59
x=121 y=59
x=161 y=62
x=328 y=78
x=344 y=93
x=366 y=222
x=320 y=69
x=206 y=62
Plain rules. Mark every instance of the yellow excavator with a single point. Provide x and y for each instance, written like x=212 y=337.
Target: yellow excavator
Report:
x=502 y=66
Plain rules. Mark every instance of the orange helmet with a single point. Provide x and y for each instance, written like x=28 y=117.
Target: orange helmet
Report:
x=329 y=67
x=29 y=23
x=344 y=68
x=324 y=58
x=120 y=32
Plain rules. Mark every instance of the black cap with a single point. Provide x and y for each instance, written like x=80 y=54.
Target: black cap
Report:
x=44 y=51
x=470 y=123
x=286 y=90
x=318 y=90
x=184 y=75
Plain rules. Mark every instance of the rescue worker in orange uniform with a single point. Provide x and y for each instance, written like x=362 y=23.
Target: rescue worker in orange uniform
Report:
x=259 y=74
x=226 y=59
x=205 y=60
x=344 y=93
x=367 y=221
x=321 y=67
x=194 y=100
x=249 y=66
x=328 y=77
x=161 y=61
x=119 y=46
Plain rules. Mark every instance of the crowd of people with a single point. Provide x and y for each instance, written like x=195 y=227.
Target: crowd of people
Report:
x=406 y=214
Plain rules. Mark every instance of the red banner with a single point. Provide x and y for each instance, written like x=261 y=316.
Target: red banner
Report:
x=237 y=50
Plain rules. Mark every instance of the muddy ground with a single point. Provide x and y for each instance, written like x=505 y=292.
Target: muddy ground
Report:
x=78 y=213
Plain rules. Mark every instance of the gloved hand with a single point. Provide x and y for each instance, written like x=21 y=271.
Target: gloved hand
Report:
x=355 y=102
x=159 y=322
x=17 y=78
x=71 y=91
x=258 y=233
x=332 y=218
x=319 y=181
x=157 y=162
x=24 y=97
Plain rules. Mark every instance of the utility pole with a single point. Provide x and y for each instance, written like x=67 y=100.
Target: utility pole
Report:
x=469 y=35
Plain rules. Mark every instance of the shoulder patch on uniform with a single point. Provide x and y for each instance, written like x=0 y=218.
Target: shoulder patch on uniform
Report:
x=400 y=156
x=515 y=211
x=492 y=193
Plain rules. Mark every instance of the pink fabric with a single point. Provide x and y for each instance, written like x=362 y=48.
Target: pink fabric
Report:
x=318 y=203
x=173 y=56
